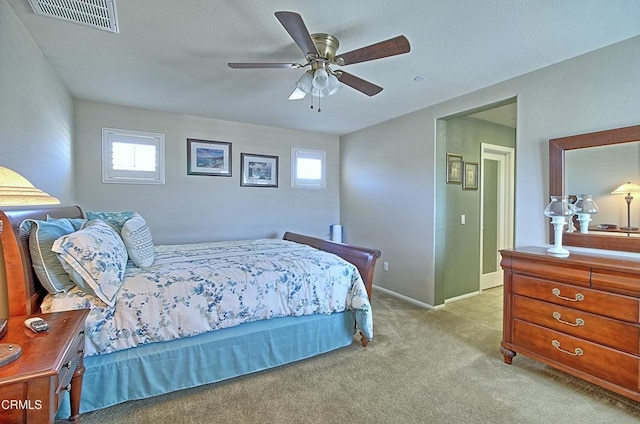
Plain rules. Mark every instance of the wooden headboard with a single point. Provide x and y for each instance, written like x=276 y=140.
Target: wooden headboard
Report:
x=23 y=287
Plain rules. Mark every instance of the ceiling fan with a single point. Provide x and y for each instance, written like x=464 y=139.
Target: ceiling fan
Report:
x=320 y=51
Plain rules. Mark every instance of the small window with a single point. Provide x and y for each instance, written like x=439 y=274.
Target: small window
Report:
x=308 y=168
x=132 y=157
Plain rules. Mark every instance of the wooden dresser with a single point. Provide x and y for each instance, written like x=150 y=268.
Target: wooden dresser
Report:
x=579 y=314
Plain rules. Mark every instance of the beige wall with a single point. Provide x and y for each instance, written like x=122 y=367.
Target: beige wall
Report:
x=203 y=208
x=393 y=205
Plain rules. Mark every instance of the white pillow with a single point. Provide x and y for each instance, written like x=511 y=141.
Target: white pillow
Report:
x=95 y=257
x=136 y=236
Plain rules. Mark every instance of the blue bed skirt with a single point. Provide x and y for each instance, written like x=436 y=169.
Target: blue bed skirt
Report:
x=159 y=368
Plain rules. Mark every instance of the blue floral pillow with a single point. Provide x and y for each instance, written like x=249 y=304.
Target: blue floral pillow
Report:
x=95 y=258
x=115 y=219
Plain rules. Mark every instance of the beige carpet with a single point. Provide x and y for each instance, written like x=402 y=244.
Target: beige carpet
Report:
x=422 y=367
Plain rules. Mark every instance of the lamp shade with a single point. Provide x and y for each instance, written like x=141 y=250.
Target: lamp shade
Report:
x=559 y=206
x=16 y=190
x=305 y=82
x=334 y=85
x=585 y=204
x=627 y=188
x=320 y=79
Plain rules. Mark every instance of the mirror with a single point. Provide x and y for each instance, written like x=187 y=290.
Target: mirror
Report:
x=563 y=182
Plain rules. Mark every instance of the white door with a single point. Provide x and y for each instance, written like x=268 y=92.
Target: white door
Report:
x=496 y=210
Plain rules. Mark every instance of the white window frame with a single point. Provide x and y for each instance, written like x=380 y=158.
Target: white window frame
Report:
x=302 y=153
x=114 y=176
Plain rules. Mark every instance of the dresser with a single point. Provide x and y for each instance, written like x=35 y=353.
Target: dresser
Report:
x=579 y=314
x=51 y=362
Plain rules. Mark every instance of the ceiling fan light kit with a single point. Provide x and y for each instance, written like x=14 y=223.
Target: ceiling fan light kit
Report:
x=320 y=51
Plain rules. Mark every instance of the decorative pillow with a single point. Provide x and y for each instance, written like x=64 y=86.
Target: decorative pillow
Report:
x=45 y=263
x=76 y=223
x=95 y=258
x=115 y=219
x=137 y=238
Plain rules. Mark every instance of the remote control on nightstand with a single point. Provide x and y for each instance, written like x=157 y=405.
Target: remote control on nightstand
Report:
x=37 y=325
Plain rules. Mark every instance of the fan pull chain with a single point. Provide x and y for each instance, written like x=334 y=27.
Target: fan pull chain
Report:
x=319 y=110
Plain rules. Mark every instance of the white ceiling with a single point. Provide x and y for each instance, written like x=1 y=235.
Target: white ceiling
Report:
x=172 y=55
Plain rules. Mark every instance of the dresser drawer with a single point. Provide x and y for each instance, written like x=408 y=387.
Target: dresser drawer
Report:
x=549 y=268
x=70 y=362
x=612 y=305
x=598 y=329
x=602 y=362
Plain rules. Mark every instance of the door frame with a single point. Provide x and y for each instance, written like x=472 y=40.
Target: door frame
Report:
x=505 y=156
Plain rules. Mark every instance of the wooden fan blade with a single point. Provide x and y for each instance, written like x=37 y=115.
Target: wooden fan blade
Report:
x=359 y=84
x=391 y=47
x=263 y=65
x=296 y=28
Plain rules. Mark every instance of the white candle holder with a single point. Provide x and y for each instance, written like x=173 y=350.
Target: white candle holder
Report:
x=558 y=209
x=585 y=207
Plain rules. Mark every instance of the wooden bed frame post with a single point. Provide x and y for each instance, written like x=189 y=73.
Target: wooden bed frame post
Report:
x=362 y=257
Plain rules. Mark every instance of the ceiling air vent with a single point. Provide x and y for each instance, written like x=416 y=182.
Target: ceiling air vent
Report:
x=99 y=14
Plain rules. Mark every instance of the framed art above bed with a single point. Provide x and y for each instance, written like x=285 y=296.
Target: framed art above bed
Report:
x=206 y=157
x=258 y=170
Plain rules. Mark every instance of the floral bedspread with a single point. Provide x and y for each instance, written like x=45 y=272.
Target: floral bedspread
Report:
x=195 y=288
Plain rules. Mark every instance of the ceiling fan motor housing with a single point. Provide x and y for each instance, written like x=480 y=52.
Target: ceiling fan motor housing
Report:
x=326 y=44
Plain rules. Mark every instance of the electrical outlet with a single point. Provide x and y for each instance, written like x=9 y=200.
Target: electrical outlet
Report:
x=385 y=266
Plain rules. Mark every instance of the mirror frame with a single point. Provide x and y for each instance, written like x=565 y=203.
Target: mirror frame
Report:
x=557 y=149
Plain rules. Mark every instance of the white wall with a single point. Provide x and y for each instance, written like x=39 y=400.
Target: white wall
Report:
x=203 y=208
x=395 y=210
x=36 y=114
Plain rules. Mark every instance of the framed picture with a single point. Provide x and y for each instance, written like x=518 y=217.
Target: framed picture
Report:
x=454 y=169
x=208 y=158
x=258 y=170
x=470 y=176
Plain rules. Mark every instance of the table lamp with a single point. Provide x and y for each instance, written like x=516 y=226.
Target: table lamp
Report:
x=627 y=189
x=16 y=190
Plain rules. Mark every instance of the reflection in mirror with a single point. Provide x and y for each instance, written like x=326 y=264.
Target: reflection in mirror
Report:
x=592 y=166
x=599 y=171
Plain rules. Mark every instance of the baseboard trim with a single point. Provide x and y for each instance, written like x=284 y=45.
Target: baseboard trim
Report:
x=407 y=299
x=462 y=297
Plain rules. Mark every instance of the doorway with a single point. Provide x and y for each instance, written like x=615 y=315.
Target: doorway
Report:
x=496 y=210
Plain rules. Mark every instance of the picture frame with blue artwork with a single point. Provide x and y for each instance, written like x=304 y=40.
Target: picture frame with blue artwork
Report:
x=205 y=157
x=258 y=170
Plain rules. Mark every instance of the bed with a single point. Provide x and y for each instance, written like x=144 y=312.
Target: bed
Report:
x=156 y=360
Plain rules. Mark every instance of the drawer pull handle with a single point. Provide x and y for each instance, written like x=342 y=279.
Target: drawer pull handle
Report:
x=579 y=296
x=577 y=352
x=67 y=365
x=579 y=321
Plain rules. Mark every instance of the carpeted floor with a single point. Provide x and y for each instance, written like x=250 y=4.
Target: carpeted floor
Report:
x=422 y=367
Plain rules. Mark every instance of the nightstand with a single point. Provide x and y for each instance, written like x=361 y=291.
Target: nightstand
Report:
x=51 y=361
